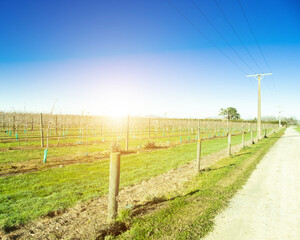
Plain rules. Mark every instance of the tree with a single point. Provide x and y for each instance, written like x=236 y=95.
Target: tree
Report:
x=230 y=113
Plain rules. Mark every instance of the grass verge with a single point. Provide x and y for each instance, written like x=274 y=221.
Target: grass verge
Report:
x=190 y=215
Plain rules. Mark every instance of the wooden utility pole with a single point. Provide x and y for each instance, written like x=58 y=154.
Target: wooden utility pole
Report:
x=42 y=132
x=259 y=102
x=114 y=182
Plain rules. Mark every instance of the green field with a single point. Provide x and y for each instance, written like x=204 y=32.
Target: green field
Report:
x=25 y=197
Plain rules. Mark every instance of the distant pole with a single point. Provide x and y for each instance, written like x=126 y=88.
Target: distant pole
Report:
x=259 y=102
x=127 y=133
x=42 y=132
x=114 y=182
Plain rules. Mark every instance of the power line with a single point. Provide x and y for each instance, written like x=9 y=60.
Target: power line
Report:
x=248 y=22
x=252 y=32
x=203 y=35
x=221 y=35
x=237 y=35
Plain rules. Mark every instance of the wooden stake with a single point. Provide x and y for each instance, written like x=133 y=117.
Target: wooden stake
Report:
x=42 y=132
x=198 y=154
x=127 y=134
x=14 y=124
x=243 y=139
x=149 y=128
x=114 y=182
x=229 y=144
x=55 y=125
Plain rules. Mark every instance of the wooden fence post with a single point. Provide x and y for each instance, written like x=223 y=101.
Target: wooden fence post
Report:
x=198 y=154
x=243 y=139
x=252 y=137
x=101 y=128
x=114 y=181
x=3 y=123
x=14 y=124
x=127 y=133
x=42 y=132
x=149 y=128
x=229 y=144
x=56 y=125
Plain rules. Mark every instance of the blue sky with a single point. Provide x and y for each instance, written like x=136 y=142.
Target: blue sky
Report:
x=143 y=57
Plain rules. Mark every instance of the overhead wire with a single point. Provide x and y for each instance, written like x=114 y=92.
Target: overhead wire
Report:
x=236 y=34
x=258 y=45
x=252 y=32
x=203 y=35
x=221 y=35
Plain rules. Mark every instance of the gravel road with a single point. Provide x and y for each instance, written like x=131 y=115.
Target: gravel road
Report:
x=268 y=206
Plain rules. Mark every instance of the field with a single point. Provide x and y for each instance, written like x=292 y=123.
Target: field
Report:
x=76 y=168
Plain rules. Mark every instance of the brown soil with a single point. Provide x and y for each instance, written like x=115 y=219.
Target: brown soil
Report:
x=88 y=220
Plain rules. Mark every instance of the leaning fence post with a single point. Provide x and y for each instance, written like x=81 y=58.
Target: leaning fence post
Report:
x=114 y=181
x=229 y=144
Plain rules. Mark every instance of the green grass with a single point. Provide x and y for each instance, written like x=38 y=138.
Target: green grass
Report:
x=28 y=196
x=68 y=152
x=190 y=215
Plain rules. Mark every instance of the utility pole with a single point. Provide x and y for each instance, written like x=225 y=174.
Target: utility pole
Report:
x=279 y=116
x=259 y=102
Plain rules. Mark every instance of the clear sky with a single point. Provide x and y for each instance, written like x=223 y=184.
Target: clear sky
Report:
x=143 y=57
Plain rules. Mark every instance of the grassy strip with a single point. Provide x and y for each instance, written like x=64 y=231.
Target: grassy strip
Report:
x=27 y=154
x=28 y=196
x=190 y=216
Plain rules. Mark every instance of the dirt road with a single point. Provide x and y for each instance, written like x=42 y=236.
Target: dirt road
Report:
x=268 y=206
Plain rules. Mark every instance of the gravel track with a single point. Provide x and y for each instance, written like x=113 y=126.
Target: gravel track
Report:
x=268 y=206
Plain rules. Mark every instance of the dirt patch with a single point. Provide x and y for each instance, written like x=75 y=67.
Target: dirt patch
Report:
x=88 y=220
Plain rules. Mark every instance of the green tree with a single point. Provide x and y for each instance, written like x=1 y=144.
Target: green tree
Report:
x=229 y=113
